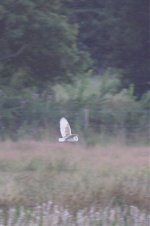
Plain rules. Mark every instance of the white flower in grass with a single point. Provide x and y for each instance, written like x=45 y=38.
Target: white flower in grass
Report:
x=49 y=206
x=55 y=215
x=65 y=216
x=11 y=216
x=134 y=215
x=92 y=212
x=80 y=217
x=36 y=215
x=56 y=210
x=112 y=216
x=142 y=219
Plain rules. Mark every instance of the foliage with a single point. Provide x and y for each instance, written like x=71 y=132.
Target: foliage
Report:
x=50 y=213
x=102 y=106
x=116 y=34
x=48 y=42
x=65 y=58
x=93 y=106
x=38 y=44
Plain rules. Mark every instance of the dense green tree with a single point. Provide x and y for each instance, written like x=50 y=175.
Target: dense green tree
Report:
x=116 y=33
x=38 y=44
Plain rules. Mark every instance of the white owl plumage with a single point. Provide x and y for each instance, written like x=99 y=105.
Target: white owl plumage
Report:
x=65 y=131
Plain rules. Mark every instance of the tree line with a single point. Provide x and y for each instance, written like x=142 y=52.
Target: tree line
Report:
x=46 y=43
x=51 y=41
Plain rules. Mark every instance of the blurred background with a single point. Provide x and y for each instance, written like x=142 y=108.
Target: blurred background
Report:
x=87 y=61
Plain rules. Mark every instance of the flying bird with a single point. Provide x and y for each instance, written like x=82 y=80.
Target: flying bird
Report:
x=65 y=131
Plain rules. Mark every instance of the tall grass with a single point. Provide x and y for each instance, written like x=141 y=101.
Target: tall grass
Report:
x=50 y=214
x=112 y=181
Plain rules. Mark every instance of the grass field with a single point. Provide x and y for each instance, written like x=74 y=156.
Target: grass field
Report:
x=74 y=185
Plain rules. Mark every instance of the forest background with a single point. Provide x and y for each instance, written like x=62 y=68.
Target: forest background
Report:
x=85 y=60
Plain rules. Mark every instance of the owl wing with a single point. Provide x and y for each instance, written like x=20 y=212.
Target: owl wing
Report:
x=65 y=129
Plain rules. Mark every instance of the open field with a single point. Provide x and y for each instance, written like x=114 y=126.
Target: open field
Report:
x=76 y=179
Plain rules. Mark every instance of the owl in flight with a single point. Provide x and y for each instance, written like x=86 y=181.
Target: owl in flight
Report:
x=65 y=131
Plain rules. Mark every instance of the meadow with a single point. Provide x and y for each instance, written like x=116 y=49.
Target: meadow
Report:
x=45 y=183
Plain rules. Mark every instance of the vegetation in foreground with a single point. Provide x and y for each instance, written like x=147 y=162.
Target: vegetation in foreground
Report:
x=72 y=176
x=50 y=214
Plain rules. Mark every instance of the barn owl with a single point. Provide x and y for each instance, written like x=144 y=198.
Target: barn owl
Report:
x=65 y=131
